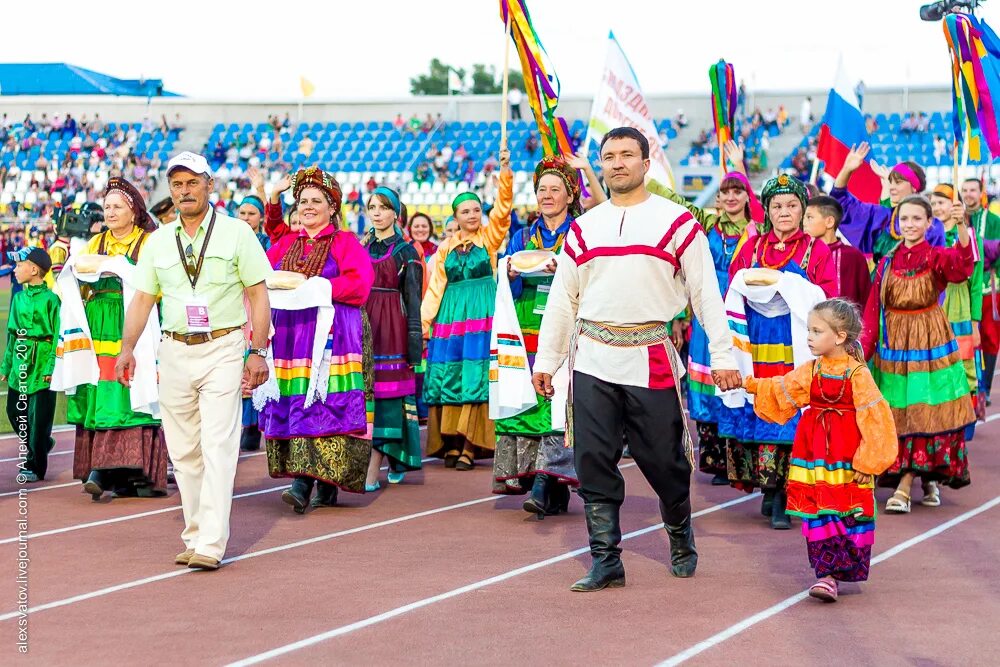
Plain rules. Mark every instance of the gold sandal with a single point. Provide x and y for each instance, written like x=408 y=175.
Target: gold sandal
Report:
x=899 y=503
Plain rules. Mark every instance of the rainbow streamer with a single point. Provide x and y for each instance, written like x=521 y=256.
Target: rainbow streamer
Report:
x=540 y=78
x=724 y=99
x=975 y=68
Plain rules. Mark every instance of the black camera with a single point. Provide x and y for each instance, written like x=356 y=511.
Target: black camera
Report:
x=80 y=223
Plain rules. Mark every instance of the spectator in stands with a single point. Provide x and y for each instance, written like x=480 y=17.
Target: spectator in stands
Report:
x=287 y=122
x=399 y=123
x=97 y=126
x=371 y=185
x=806 y=115
x=414 y=124
x=29 y=125
x=680 y=120
x=859 y=90
x=446 y=154
x=514 y=98
x=741 y=98
x=178 y=126
x=909 y=125
x=871 y=125
x=70 y=128
x=782 y=116
x=423 y=173
x=664 y=139
x=800 y=163
x=771 y=120
x=940 y=149
x=428 y=124
x=531 y=143
x=440 y=164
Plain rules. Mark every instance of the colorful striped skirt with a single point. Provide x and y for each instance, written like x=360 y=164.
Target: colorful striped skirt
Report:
x=757 y=452
x=330 y=439
x=458 y=353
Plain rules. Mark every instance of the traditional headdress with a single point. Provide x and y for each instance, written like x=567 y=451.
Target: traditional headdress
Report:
x=254 y=201
x=782 y=185
x=391 y=195
x=314 y=177
x=134 y=200
x=756 y=210
x=463 y=197
x=915 y=177
x=556 y=164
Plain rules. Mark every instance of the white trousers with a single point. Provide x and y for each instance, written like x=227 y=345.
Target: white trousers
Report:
x=200 y=405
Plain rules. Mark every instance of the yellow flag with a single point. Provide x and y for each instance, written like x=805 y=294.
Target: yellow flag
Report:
x=307 y=87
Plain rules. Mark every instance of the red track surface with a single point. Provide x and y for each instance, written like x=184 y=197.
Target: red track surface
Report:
x=382 y=583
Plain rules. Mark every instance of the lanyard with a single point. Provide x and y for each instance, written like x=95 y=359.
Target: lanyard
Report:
x=193 y=274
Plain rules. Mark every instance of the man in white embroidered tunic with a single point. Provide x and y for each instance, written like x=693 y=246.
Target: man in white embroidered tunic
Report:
x=629 y=267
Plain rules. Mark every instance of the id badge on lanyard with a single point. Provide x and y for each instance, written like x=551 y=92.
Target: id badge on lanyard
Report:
x=541 y=298
x=196 y=307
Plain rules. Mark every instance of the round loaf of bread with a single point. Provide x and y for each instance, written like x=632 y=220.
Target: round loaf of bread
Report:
x=531 y=260
x=285 y=280
x=761 y=277
x=89 y=263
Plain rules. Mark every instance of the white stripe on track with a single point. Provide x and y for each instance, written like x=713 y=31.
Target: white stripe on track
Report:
x=63 y=486
x=252 y=554
x=776 y=609
x=18 y=458
x=413 y=606
x=142 y=515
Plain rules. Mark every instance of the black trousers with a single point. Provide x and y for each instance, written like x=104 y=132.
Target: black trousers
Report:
x=651 y=420
x=31 y=418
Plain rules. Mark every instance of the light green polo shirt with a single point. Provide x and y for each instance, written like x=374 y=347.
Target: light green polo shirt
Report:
x=233 y=260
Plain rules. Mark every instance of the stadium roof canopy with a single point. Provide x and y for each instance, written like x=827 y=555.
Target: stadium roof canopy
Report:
x=64 y=79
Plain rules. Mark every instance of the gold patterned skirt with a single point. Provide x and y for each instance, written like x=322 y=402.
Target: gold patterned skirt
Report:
x=341 y=460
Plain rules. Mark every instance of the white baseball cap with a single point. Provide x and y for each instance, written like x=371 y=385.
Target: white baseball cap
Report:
x=193 y=162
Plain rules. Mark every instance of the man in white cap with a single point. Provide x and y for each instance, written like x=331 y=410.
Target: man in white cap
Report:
x=201 y=264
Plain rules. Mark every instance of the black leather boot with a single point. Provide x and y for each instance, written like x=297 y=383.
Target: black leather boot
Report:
x=250 y=439
x=767 y=504
x=683 y=555
x=780 y=520
x=326 y=495
x=94 y=485
x=559 y=495
x=607 y=570
x=538 y=501
x=298 y=495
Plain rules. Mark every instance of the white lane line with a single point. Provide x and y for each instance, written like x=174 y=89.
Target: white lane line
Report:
x=750 y=621
x=40 y=488
x=18 y=458
x=142 y=515
x=63 y=486
x=253 y=554
x=413 y=606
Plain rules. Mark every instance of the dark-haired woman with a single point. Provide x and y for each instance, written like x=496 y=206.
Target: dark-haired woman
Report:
x=872 y=228
x=915 y=358
x=393 y=309
x=319 y=430
x=457 y=317
x=739 y=207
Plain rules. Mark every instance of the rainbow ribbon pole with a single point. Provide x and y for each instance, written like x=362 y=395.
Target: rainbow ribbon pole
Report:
x=540 y=80
x=724 y=102
x=975 y=68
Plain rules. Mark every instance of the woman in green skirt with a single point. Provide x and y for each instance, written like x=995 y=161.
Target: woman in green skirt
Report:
x=457 y=317
x=117 y=449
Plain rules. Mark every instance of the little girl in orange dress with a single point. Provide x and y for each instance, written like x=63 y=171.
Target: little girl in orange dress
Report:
x=843 y=441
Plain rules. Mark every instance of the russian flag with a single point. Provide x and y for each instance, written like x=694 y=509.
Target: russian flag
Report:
x=843 y=126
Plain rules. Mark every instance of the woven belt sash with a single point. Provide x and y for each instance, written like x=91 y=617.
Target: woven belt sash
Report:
x=642 y=335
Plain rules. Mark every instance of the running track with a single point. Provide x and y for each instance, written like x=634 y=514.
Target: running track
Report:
x=438 y=571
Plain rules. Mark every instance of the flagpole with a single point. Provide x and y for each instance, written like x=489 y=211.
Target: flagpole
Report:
x=506 y=77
